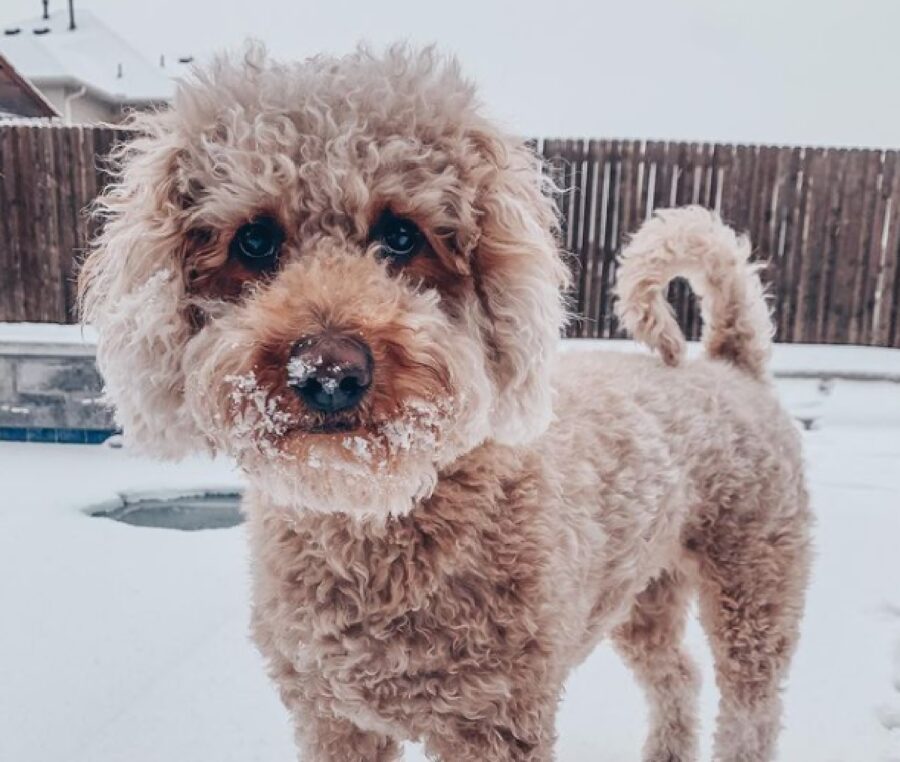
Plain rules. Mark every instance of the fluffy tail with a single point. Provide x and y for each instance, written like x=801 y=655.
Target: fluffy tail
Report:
x=694 y=243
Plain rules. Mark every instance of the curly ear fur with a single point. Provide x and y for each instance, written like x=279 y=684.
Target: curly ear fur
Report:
x=132 y=291
x=521 y=278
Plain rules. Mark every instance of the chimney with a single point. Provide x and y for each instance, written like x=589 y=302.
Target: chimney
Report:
x=46 y=4
x=71 y=15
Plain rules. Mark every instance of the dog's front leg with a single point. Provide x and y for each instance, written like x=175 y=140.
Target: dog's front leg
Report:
x=332 y=739
x=322 y=736
x=462 y=740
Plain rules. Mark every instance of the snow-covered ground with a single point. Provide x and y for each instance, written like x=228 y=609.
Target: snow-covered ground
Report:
x=127 y=644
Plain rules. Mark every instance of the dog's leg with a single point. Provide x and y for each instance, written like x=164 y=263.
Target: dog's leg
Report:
x=331 y=739
x=463 y=740
x=650 y=642
x=752 y=584
x=320 y=736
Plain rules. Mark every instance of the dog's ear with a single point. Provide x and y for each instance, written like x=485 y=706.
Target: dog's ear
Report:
x=520 y=277
x=131 y=290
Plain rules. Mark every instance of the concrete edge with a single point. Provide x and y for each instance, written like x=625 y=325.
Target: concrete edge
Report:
x=841 y=375
x=45 y=349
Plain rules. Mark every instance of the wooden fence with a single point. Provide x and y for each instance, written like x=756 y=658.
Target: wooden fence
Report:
x=50 y=174
x=826 y=222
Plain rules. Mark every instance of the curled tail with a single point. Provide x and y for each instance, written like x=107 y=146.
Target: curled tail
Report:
x=694 y=243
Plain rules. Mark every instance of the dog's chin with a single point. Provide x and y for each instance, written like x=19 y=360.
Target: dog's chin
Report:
x=340 y=472
x=370 y=470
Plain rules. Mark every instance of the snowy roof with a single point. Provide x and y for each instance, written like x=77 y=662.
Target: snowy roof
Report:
x=91 y=55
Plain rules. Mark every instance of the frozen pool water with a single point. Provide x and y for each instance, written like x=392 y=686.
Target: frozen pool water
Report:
x=187 y=512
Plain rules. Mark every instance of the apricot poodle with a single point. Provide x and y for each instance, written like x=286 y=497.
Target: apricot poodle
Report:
x=341 y=274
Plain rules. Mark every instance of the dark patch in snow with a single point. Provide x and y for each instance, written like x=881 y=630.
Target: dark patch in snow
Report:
x=187 y=512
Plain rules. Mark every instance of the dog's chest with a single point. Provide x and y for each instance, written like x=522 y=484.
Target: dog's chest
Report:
x=391 y=622
x=385 y=670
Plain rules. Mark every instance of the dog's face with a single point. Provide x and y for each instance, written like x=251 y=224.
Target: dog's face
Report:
x=337 y=272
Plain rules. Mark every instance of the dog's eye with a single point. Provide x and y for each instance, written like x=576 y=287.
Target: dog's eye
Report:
x=398 y=238
x=257 y=243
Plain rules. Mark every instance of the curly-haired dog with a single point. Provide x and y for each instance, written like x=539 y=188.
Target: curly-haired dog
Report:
x=344 y=276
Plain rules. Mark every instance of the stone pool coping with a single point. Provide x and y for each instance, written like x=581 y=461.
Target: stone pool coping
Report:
x=50 y=390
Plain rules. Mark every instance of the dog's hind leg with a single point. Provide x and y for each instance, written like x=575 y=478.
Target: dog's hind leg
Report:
x=650 y=642
x=753 y=576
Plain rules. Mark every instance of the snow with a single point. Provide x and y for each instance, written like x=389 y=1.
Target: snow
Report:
x=129 y=643
x=91 y=55
x=255 y=415
x=300 y=368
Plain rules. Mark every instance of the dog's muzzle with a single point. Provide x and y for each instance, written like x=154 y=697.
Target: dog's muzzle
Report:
x=330 y=372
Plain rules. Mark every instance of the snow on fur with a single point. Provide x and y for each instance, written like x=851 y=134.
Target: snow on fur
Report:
x=257 y=418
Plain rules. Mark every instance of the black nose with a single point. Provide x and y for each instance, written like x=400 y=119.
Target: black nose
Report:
x=330 y=372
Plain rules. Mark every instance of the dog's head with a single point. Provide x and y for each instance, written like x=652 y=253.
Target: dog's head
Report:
x=336 y=271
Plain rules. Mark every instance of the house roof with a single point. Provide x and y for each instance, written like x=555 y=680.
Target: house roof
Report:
x=18 y=97
x=91 y=55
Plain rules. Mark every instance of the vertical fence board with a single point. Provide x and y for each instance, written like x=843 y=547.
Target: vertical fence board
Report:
x=870 y=231
x=781 y=231
x=844 y=257
x=55 y=278
x=575 y=151
x=885 y=297
x=806 y=267
x=588 y=258
x=9 y=235
x=609 y=246
x=33 y=264
x=591 y=318
x=65 y=220
x=826 y=253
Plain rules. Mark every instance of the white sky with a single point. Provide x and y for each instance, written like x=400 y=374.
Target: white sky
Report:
x=781 y=71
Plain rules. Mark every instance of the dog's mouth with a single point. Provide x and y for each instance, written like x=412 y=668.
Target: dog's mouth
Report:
x=340 y=426
x=415 y=426
x=314 y=423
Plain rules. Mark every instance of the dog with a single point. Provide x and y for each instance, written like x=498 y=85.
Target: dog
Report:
x=344 y=276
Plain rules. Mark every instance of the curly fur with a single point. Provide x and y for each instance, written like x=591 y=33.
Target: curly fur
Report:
x=491 y=511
